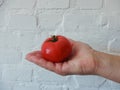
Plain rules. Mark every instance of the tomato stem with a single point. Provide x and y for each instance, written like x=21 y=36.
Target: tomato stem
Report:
x=54 y=38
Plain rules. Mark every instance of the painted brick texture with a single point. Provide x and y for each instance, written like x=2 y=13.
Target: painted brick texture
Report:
x=24 y=25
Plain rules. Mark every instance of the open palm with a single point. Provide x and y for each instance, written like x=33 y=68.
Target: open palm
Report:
x=81 y=61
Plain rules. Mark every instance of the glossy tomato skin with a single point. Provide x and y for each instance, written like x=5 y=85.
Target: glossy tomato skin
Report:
x=56 y=51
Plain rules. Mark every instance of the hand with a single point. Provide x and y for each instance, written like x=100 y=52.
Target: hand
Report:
x=82 y=61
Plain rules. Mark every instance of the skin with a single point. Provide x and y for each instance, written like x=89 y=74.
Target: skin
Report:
x=83 y=61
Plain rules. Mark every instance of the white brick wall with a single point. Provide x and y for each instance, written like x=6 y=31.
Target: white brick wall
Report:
x=22 y=22
x=0 y=73
x=41 y=75
x=24 y=25
x=6 y=85
x=53 y=4
x=53 y=87
x=21 y=4
x=26 y=86
x=112 y=5
x=89 y=4
x=1 y=2
x=17 y=73
x=2 y=17
x=114 y=21
x=90 y=80
x=49 y=21
x=79 y=19
x=10 y=56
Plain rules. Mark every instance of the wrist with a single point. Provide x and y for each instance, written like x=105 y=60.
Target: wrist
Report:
x=103 y=64
x=108 y=66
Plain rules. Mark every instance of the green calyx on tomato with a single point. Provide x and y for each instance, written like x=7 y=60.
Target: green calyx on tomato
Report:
x=56 y=49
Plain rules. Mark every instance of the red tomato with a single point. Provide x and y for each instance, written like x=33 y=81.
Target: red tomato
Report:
x=56 y=49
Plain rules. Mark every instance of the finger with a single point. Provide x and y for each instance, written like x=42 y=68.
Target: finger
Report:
x=69 y=68
x=50 y=66
x=66 y=68
x=59 y=69
x=36 y=58
x=34 y=53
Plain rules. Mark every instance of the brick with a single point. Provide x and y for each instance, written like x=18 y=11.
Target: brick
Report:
x=23 y=40
x=89 y=4
x=10 y=56
x=78 y=19
x=49 y=21
x=53 y=87
x=17 y=73
x=47 y=76
x=105 y=84
x=26 y=40
x=22 y=22
x=113 y=43
x=53 y=4
x=21 y=4
x=26 y=86
x=85 y=88
x=7 y=39
x=1 y=2
x=91 y=36
x=90 y=81
x=19 y=38
x=2 y=18
x=114 y=21
x=111 y=5
x=0 y=73
x=115 y=85
x=6 y=85
x=103 y=20
x=71 y=82
x=41 y=37
x=72 y=3
x=106 y=88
